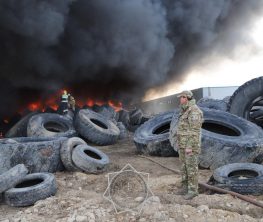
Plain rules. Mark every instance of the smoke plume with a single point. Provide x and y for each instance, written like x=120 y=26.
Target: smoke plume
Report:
x=113 y=49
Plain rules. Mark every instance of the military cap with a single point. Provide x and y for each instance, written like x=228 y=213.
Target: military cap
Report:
x=186 y=93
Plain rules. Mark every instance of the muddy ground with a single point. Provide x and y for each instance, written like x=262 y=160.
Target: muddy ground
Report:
x=80 y=196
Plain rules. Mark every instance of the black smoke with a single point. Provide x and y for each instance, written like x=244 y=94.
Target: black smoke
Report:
x=115 y=49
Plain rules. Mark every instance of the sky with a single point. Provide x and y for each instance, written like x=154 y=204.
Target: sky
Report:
x=224 y=71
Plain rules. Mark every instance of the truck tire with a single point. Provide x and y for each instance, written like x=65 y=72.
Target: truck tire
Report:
x=212 y=104
x=124 y=117
x=135 y=117
x=107 y=111
x=226 y=100
x=37 y=154
x=33 y=187
x=244 y=178
x=227 y=138
x=123 y=131
x=11 y=177
x=96 y=128
x=152 y=137
x=247 y=99
x=20 y=128
x=66 y=152
x=90 y=159
x=50 y=125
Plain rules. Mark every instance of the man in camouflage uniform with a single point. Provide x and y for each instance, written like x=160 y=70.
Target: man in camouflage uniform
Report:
x=185 y=135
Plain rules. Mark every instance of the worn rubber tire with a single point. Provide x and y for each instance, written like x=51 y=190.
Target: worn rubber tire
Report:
x=212 y=104
x=245 y=97
x=133 y=128
x=136 y=116
x=226 y=100
x=28 y=195
x=258 y=159
x=124 y=117
x=94 y=161
x=20 y=128
x=96 y=128
x=66 y=152
x=106 y=111
x=227 y=174
x=38 y=154
x=50 y=125
x=145 y=119
x=153 y=136
x=123 y=131
x=227 y=138
x=11 y=177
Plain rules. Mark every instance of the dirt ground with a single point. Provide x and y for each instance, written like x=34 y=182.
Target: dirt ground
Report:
x=80 y=196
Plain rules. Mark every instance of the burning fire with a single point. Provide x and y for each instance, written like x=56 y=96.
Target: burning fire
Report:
x=54 y=101
x=117 y=106
x=90 y=102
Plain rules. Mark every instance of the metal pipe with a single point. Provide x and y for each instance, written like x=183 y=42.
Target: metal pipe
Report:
x=238 y=195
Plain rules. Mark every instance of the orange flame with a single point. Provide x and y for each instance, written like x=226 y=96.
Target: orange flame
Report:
x=53 y=102
x=34 y=106
x=117 y=106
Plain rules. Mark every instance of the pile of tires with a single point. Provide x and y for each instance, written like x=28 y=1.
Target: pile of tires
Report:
x=226 y=138
x=77 y=155
x=136 y=119
x=20 y=189
x=244 y=178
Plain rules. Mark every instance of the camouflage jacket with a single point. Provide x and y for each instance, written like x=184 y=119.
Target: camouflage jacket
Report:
x=185 y=129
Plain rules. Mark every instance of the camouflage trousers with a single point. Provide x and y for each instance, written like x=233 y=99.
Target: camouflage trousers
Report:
x=189 y=171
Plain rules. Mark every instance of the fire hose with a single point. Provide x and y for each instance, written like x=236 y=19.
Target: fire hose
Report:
x=234 y=194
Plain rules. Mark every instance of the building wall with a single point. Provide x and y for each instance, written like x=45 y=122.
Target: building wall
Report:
x=218 y=92
x=169 y=103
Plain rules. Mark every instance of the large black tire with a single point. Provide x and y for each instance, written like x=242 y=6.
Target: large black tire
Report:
x=106 y=111
x=96 y=128
x=145 y=118
x=66 y=152
x=50 y=125
x=20 y=128
x=133 y=128
x=226 y=100
x=38 y=154
x=153 y=136
x=227 y=138
x=124 y=117
x=247 y=99
x=136 y=116
x=90 y=159
x=212 y=104
x=33 y=187
x=244 y=178
x=123 y=131
x=11 y=177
